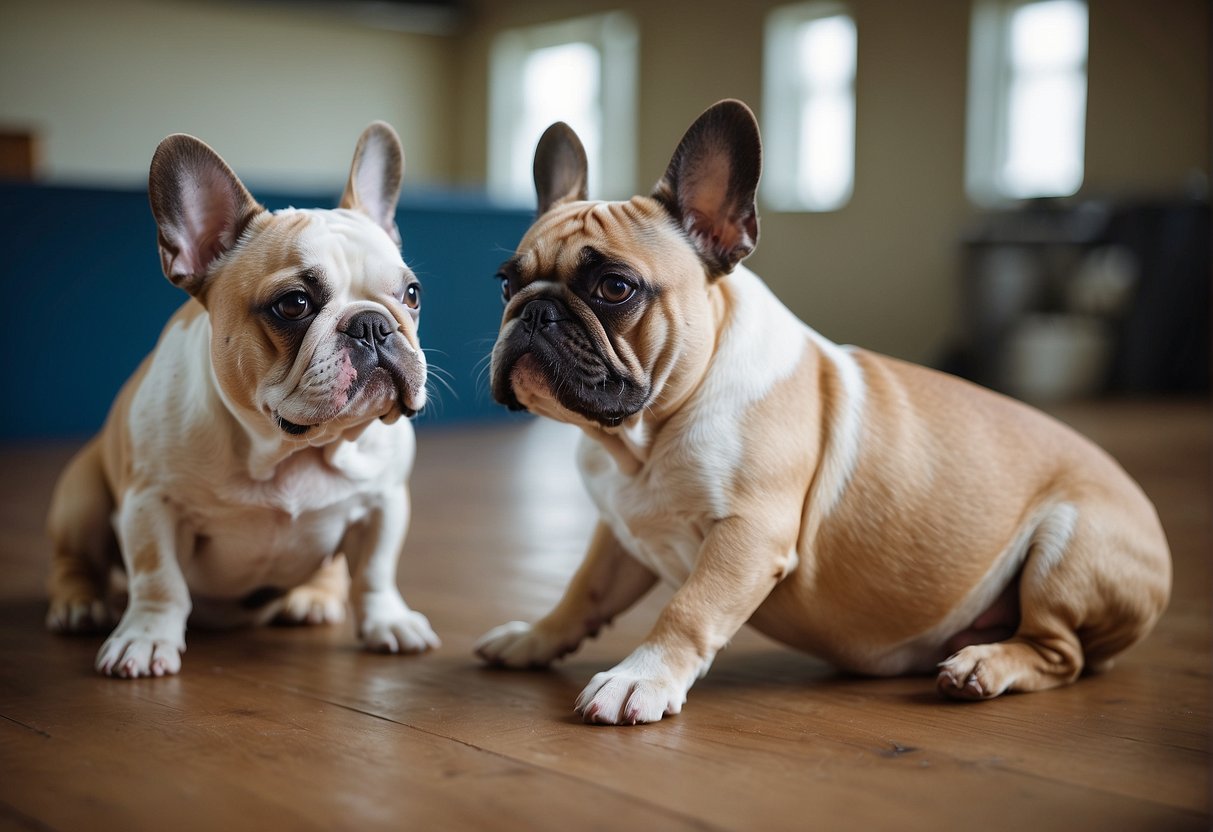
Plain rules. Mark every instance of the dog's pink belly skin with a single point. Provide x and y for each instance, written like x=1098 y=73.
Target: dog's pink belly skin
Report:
x=997 y=623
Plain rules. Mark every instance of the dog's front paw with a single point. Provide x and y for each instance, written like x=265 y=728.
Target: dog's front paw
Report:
x=519 y=644
x=615 y=698
x=142 y=645
x=389 y=626
x=410 y=633
x=641 y=688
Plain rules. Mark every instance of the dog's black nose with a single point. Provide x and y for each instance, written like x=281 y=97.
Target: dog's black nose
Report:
x=370 y=327
x=539 y=313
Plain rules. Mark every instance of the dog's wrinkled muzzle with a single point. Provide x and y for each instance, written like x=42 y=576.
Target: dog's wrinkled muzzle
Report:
x=571 y=363
x=375 y=344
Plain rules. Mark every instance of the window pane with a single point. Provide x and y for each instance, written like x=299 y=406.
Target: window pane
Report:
x=1027 y=99
x=581 y=71
x=827 y=150
x=1045 y=136
x=561 y=77
x=827 y=51
x=809 y=106
x=1049 y=35
x=827 y=114
x=559 y=83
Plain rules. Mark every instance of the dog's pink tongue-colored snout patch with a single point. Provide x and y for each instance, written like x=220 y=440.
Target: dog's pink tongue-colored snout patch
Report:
x=346 y=374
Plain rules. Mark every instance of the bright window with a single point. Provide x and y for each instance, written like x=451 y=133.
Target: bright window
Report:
x=809 y=107
x=1027 y=99
x=581 y=72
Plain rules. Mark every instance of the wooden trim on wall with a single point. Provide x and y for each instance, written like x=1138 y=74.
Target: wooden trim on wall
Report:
x=18 y=154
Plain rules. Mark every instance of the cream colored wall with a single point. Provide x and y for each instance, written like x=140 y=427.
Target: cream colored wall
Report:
x=884 y=271
x=281 y=96
x=1148 y=102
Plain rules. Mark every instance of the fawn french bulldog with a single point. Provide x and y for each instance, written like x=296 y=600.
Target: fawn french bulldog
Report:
x=883 y=516
x=260 y=447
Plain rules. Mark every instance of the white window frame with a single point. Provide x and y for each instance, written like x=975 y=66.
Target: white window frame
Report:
x=988 y=112
x=614 y=35
x=783 y=98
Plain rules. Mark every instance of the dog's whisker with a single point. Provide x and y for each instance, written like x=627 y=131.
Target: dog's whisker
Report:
x=440 y=380
x=441 y=371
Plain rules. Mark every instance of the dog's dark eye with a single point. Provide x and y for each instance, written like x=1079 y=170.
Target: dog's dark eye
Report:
x=293 y=306
x=614 y=289
x=412 y=296
x=506 y=294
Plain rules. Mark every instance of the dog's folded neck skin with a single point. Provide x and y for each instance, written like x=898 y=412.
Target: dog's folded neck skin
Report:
x=631 y=442
x=263 y=444
x=627 y=444
x=266 y=447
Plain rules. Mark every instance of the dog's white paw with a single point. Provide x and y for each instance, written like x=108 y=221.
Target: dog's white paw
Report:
x=614 y=698
x=309 y=605
x=389 y=626
x=142 y=645
x=78 y=615
x=519 y=644
x=410 y=633
x=639 y=689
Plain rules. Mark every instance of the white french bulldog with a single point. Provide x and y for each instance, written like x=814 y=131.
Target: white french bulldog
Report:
x=260 y=446
x=884 y=516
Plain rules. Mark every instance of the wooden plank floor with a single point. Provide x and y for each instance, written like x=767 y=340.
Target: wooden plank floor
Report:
x=296 y=728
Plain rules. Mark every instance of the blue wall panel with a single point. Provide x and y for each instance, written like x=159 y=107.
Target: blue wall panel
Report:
x=84 y=299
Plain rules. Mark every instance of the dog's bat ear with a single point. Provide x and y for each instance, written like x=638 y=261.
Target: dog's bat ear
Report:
x=201 y=209
x=561 y=170
x=710 y=184
x=375 y=177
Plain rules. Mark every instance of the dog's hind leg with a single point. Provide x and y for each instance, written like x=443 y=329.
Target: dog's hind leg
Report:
x=85 y=547
x=1094 y=582
x=322 y=599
